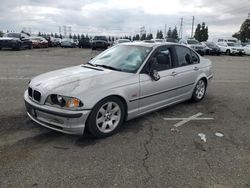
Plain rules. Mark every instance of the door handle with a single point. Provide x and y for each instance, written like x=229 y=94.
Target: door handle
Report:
x=173 y=73
x=196 y=68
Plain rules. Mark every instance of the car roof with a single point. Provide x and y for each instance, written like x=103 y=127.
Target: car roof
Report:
x=149 y=44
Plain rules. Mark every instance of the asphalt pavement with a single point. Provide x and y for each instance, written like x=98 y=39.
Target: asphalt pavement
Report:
x=212 y=151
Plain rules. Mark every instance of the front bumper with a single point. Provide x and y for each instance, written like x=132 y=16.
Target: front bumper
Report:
x=65 y=121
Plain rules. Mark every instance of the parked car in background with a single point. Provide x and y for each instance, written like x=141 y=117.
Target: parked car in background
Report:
x=67 y=42
x=231 y=48
x=56 y=42
x=84 y=43
x=122 y=83
x=76 y=42
x=99 y=42
x=247 y=49
x=171 y=40
x=211 y=48
x=158 y=40
x=15 y=41
x=225 y=39
x=194 y=44
x=39 y=42
x=119 y=41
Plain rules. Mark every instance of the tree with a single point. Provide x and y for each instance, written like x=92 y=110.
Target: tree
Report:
x=60 y=36
x=70 y=36
x=197 y=34
x=56 y=35
x=149 y=36
x=169 y=33
x=159 y=34
x=143 y=36
x=201 y=32
x=136 y=37
x=174 y=34
x=244 y=33
x=39 y=33
x=74 y=36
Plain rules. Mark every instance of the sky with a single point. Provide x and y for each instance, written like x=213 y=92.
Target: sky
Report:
x=122 y=17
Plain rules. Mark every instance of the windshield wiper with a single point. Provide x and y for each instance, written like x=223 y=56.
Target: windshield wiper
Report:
x=88 y=63
x=108 y=67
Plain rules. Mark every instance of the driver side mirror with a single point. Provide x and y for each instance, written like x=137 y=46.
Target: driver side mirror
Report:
x=153 y=73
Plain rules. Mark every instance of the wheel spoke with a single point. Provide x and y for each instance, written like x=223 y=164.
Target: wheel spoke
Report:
x=115 y=118
x=109 y=107
x=100 y=120
x=116 y=109
x=104 y=126
x=102 y=111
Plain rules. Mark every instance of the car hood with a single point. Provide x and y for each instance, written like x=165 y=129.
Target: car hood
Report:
x=237 y=47
x=76 y=80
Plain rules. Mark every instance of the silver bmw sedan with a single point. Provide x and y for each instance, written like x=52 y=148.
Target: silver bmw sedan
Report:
x=122 y=83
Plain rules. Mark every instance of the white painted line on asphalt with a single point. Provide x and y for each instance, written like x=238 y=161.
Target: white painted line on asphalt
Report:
x=186 y=120
x=14 y=78
x=179 y=119
x=231 y=81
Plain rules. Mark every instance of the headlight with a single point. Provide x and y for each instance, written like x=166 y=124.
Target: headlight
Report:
x=64 y=102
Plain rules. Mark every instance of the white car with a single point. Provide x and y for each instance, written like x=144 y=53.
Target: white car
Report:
x=66 y=42
x=231 y=48
x=247 y=49
x=119 y=41
x=126 y=81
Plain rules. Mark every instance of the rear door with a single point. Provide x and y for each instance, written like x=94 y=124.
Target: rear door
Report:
x=186 y=70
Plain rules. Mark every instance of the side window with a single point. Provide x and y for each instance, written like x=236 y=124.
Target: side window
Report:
x=184 y=56
x=195 y=58
x=162 y=59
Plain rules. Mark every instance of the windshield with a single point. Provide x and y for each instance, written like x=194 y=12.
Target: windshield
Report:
x=100 y=38
x=13 y=35
x=211 y=45
x=230 y=44
x=193 y=42
x=125 y=58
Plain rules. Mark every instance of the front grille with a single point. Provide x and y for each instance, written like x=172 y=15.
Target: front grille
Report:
x=30 y=92
x=37 y=95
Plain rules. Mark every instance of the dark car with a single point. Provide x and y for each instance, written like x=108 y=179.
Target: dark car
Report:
x=84 y=43
x=15 y=41
x=211 y=48
x=99 y=42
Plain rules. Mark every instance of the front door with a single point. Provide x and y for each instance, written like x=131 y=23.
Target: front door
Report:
x=155 y=94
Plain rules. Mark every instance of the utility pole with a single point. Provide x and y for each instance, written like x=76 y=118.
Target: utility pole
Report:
x=181 y=27
x=192 y=28
x=165 y=30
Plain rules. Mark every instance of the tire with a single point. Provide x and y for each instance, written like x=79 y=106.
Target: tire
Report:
x=17 y=47
x=228 y=52
x=199 y=90
x=106 y=117
x=93 y=48
x=30 y=47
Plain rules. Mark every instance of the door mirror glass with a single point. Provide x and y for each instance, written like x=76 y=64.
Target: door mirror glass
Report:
x=153 y=73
